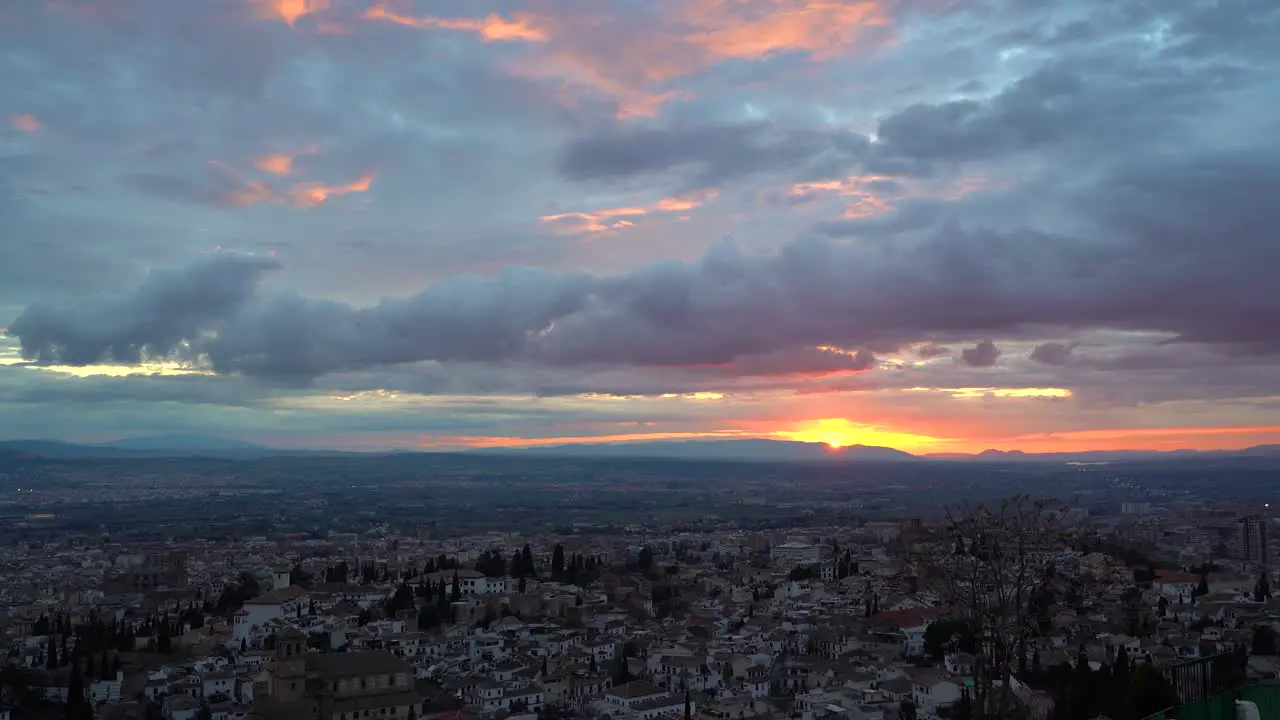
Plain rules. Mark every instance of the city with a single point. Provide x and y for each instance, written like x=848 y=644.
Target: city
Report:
x=480 y=587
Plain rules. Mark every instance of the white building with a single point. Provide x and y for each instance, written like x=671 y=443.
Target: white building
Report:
x=279 y=603
x=796 y=553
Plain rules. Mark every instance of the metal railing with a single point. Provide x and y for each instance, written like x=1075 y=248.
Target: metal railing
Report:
x=1208 y=677
x=1208 y=687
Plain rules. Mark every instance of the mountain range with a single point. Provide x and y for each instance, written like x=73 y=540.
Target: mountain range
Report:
x=759 y=450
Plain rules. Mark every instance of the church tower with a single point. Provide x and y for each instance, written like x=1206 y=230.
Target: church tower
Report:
x=289 y=671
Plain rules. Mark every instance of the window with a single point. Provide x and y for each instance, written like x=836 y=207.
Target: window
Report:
x=364 y=683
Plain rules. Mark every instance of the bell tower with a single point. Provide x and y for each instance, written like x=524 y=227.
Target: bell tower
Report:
x=289 y=670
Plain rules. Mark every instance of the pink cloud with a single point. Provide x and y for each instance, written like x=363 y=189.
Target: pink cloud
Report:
x=25 y=123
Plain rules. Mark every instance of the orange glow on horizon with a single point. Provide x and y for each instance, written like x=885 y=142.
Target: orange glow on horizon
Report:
x=25 y=123
x=837 y=433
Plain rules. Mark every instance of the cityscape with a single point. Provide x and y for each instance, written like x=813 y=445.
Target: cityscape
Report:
x=639 y=360
x=485 y=586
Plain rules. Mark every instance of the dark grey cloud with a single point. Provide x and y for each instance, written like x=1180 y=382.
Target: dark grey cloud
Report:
x=984 y=354
x=709 y=154
x=169 y=308
x=1150 y=274
x=929 y=351
x=1052 y=353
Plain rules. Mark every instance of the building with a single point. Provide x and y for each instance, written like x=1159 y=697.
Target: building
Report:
x=796 y=553
x=1251 y=540
x=336 y=686
x=282 y=602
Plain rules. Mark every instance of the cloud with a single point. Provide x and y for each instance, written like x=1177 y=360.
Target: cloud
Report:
x=289 y=11
x=169 y=308
x=930 y=351
x=605 y=220
x=982 y=355
x=1052 y=353
x=492 y=27
x=628 y=55
x=708 y=154
x=25 y=123
x=282 y=163
x=223 y=186
x=1093 y=175
x=813 y=292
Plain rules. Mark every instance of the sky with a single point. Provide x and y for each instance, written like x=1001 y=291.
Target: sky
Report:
x=935 y=225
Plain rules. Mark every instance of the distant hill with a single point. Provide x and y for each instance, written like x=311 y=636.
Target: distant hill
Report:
x=1100 y=456
x=746 y=449
x=182 y=442
x=758 y=449
x=175 y=445
x=55 y=449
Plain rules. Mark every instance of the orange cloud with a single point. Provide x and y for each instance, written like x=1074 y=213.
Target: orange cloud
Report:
x=311 y=194
x=738 y=30
x=866 y=201
x=250 y=193
x=289 y=11
x=629 y=59
x=491 y=28
x=1166 y=438
x=245 y=192
x=25 y=123
x=282 y=163
x=607 y=219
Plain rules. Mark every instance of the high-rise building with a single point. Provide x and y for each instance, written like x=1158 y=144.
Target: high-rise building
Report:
x=1251 y=540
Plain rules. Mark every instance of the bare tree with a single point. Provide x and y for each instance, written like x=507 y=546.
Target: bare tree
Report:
x=991 y=568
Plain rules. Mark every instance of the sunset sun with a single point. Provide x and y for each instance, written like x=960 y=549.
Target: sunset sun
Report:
x=837 y=433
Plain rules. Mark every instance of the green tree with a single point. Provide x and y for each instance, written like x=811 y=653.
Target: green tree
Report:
x=456 y=593
x=645 y=559
x=428 y=618
x=1149 y=692
x=442 y=599
x=164 y=643
x=947 y=633
x=1264 y=640
x=1202 y=588
x=557 y=562
x=526 y=560
x=402 y=599
x=621 y=670
x=964 y=706
x=78 y=707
